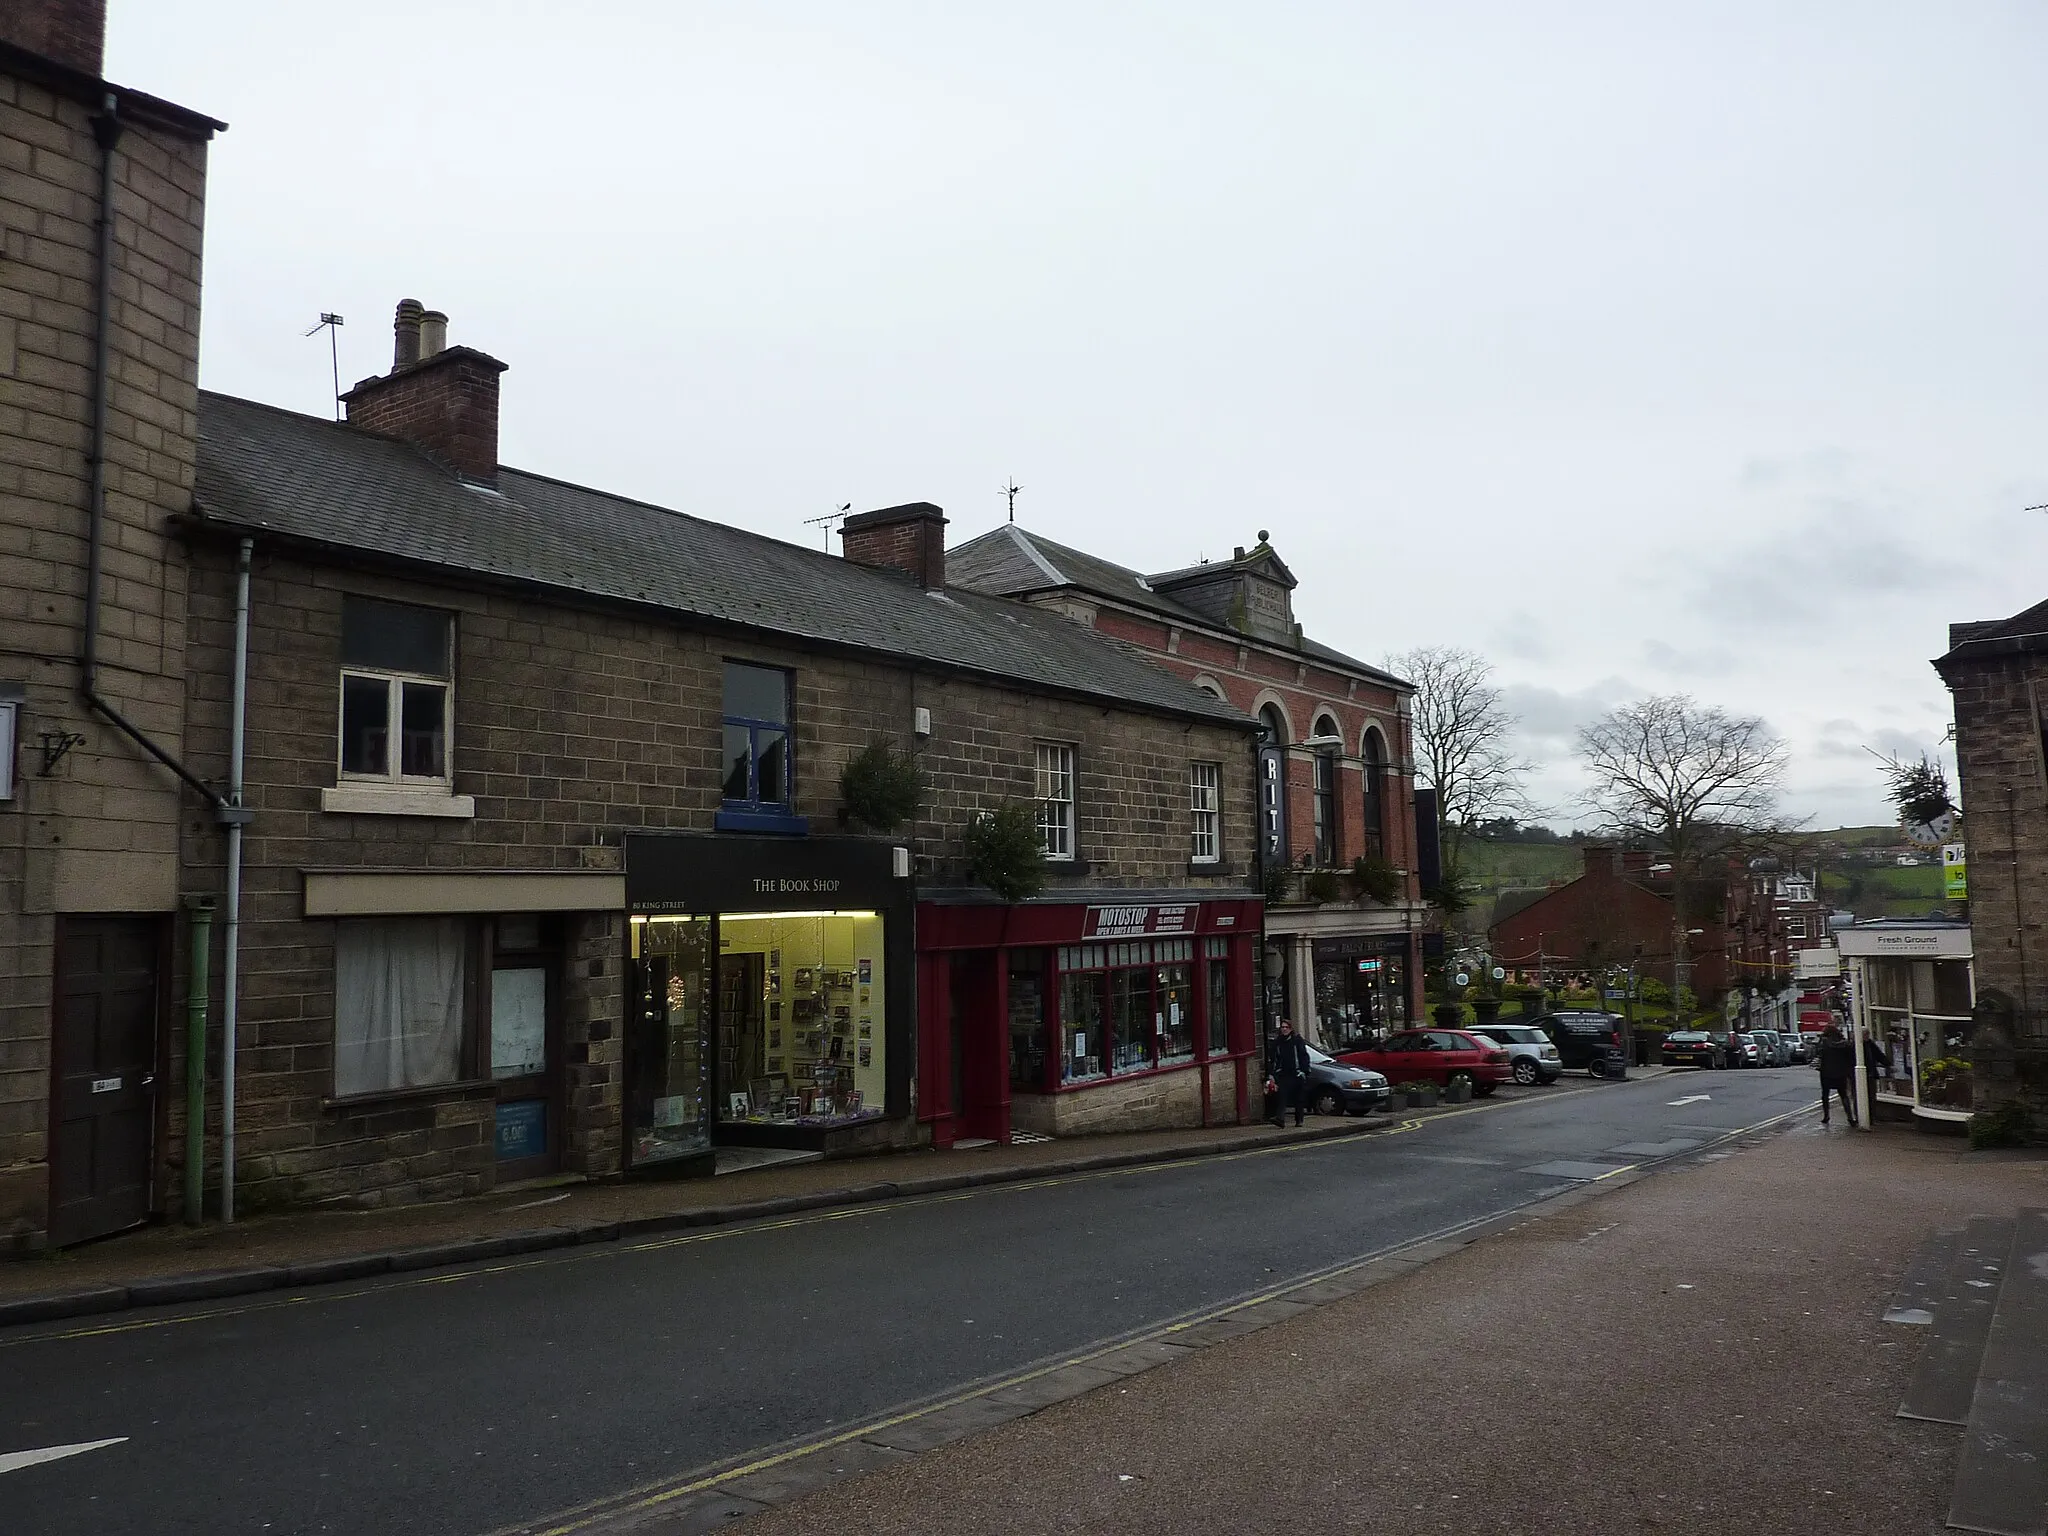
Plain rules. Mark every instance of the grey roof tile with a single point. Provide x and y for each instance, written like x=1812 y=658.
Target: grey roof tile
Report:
x=1010 y=561
x=265 y=470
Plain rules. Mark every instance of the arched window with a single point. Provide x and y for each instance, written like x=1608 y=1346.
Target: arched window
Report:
x=1273 y=725
x=1374 y=752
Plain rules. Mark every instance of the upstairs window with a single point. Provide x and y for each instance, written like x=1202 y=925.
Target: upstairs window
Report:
x=759 y=787
x=397 y=692
x=1055 y=789
x=1326 y=806
x=1205 y=798
x=1375 y=773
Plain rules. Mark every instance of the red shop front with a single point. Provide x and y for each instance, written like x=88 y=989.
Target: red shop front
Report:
x=1066 y=1018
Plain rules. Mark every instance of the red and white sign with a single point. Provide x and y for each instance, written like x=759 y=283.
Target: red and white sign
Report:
x=1141 y=922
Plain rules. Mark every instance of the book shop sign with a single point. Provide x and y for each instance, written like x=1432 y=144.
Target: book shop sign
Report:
x=1141 y=922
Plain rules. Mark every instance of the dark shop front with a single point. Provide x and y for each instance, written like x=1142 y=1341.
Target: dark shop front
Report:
x=771 y=997
x=1059 y=1018
x=1361 y=988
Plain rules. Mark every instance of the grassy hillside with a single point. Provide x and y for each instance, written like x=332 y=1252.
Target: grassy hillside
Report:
x=1497 y=867
x=1848 y=881
x=1883 y=890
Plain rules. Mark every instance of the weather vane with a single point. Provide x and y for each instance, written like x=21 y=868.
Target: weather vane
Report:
x=331 y=324
x=1011 y=491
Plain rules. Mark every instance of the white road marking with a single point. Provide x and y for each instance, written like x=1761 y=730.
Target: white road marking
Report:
x=1690 y=1098
x=14 y=1461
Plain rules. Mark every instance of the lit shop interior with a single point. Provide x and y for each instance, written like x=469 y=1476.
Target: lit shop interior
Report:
x=1913 y=990
x=761 y=1021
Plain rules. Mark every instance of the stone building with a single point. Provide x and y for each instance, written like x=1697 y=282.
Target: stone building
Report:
x=536 y=854
x=1339 y=848
x=1997 y=675
x=102 y=193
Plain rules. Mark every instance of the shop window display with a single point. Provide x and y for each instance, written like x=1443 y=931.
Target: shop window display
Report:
x=1217 y=952
x=1126 y=1007
x=1027 y=1020
x=1130 y=998
x=800 y=1021
x=672 y=983
x=1174 y=1005
x=1082 y=1011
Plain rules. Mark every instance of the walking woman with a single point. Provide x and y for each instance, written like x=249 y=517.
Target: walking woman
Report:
x=1837 y=1063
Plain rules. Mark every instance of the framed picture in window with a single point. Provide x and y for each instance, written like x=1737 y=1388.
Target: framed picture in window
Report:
x=738 y=1105
x=806 y=979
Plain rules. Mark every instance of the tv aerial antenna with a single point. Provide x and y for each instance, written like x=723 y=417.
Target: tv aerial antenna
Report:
x=827 y=521
x=1010 y=490
x=331 y=324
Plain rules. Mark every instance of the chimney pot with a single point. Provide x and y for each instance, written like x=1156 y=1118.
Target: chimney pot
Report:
x=433 y=333
x=405 y=334
x=910 y=538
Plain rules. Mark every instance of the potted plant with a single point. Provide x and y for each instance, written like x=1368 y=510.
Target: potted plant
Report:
x=881 y=789
x=1418 y=1094
x=1006 y=852
x=1458 y=1090
x=1376 y=880
x=1321 y=886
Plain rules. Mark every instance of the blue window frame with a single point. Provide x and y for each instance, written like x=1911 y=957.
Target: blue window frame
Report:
x=759 y=791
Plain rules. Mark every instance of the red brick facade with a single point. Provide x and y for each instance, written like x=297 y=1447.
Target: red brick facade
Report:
x=448 y=404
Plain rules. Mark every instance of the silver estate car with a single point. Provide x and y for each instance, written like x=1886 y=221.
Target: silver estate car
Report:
x=1531 y=1055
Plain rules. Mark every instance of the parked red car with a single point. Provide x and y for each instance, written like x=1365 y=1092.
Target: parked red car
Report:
x=1436 y=1056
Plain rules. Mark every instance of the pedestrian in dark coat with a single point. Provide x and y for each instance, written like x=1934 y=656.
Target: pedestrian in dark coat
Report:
x=1837 y=1062
x=1286 y=1074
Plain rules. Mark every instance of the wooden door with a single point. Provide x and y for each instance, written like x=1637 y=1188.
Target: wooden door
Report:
x=103 y=1069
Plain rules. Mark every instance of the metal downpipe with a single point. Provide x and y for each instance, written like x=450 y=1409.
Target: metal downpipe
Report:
x=231 y=927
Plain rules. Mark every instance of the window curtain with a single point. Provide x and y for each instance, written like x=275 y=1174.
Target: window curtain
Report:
x=398 y=1004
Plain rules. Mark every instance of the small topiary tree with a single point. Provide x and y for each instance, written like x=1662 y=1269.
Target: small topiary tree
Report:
x=1321 y=887
x=882 y=788
x=1005 y=852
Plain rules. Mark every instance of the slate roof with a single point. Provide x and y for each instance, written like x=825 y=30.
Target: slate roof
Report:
x=1012 y=562
x=2026 y=630
x=263 y=470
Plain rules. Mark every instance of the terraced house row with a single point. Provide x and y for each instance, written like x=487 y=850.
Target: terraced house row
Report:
x=381 y=822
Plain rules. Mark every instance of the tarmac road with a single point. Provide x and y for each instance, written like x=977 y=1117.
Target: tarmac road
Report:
x=460 y=1402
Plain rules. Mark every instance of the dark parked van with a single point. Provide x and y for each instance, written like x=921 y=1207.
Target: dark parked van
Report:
x=1582 y=1036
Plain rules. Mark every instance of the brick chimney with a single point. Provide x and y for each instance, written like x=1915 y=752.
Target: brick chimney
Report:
x=443 y=399
x=68 y=32
x=910 y=538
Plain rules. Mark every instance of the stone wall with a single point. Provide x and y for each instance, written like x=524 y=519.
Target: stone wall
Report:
x=1157 y=1101
x=572 y=728
x=98 y=831
x=1999 y=759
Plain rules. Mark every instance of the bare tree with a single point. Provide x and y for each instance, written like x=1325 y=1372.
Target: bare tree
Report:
x=1461 y=732
x=1692 y=781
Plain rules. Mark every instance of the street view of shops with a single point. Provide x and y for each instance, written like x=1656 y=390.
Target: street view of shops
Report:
x=1429 y=919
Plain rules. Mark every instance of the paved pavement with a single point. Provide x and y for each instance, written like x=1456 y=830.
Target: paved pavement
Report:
x=1697 y=1354
x=460 y=1402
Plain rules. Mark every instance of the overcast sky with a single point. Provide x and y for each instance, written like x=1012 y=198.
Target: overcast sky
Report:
x=1641 y=348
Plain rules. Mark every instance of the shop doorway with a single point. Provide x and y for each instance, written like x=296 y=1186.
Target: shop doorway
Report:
x=526 y=1048
x=103 y=1065
x=978 y=1050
